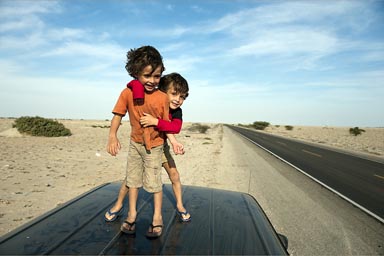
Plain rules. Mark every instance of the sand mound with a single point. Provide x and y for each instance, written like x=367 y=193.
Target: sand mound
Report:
x=11 y=133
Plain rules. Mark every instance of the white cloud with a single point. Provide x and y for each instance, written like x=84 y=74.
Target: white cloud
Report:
x=24 y=42
x=18 y=8
x=169 y=7
x=66 y=98
x=181 y=64
x=197 y=9
x=173 y=47
x=9 y=68
x=21 y=23
x=285 y=13
x=19 y=15
x=298 y=34
x=289 y=42
x=59 y=34
x=105 y=50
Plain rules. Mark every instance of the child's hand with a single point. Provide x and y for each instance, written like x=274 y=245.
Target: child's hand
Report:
x=148 y=120
x=113 y=146
x=178 y=148
x=181 y=150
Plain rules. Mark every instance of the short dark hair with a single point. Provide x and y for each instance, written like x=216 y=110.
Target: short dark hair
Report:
x=138 y=59
x=180 y=85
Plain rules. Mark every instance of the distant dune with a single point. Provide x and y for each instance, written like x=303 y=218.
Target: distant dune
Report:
x=369 y=142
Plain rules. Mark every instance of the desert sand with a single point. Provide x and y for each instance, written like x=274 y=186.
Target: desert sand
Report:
x=370 y=142
x=39 y=173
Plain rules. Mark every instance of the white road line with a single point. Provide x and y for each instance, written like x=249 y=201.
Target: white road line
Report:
x=311 y=153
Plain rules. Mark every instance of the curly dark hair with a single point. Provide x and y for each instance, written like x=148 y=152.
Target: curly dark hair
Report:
x=180 y=85
x=138 y=59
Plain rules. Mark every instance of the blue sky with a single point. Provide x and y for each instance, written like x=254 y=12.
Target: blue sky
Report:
x=285 y=62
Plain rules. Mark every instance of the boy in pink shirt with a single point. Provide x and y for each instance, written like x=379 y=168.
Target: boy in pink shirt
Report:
x=146 y=144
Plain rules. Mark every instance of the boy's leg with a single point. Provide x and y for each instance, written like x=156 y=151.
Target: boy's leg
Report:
x=129 y=225
x=170 y=166
x=134 y=177
x=132 y=212
x=174 y=176
x=156 y=227
x=134 y=180
x=111 y=214
x=157 y=216
x=134 y=169
x=152 y=183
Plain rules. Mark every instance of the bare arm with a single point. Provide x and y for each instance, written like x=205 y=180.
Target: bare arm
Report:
x=114 y=146
x=177 y=147
x=148 y=120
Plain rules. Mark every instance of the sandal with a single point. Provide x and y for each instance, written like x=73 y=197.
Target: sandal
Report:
x=182 y=216
x=114 y=215
x=153 y=234
x=131 y=230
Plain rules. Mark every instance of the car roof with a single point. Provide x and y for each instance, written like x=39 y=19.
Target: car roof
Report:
x=223 y=222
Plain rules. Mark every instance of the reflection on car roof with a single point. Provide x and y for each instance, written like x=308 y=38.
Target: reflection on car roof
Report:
x=223 y=222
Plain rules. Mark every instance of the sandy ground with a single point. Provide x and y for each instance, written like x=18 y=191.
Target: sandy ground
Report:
x=39 y=174
x=370 y=142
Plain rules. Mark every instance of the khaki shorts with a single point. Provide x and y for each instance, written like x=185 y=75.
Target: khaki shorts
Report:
x=167 y=156
x=144 y=167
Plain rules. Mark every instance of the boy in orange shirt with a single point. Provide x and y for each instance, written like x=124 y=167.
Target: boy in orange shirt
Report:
x=176 y=87
x=146 y=144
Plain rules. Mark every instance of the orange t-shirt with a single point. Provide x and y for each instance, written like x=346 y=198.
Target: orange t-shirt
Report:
x=155 y=103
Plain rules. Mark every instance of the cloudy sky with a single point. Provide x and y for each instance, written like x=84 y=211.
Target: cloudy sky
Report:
x=285 y=62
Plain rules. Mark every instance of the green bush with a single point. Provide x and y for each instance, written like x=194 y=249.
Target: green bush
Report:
x=199 y=128
x=39 y=126
x=356 y=131
x=260 y=125
x=289 y=127
x=100 y=126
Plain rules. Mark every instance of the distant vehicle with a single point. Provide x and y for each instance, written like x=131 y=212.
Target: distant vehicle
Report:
x=223 y=222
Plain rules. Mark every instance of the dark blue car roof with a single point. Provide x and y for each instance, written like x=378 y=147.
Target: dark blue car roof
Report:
x=223 y=222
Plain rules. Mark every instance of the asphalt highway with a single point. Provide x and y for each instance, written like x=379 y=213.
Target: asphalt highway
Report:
x=358 y=180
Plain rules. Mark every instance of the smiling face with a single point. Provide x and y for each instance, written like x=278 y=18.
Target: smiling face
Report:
x=150 y=78
x=175 y=99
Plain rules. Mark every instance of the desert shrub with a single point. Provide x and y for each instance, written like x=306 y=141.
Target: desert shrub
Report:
x=356 y=131
x=289 y=127
x=260 y=125
x=246 y=125
x=196 y=127
x=100 y=126
x=39 y=126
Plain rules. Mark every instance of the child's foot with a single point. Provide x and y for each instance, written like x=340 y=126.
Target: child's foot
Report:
x=154 y=231
x=156 y=228
x=184 y=215
x=129 y=225
x=113 y=213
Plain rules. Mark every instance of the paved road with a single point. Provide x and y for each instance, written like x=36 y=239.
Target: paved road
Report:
x=315 y=219
x=358 y=180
